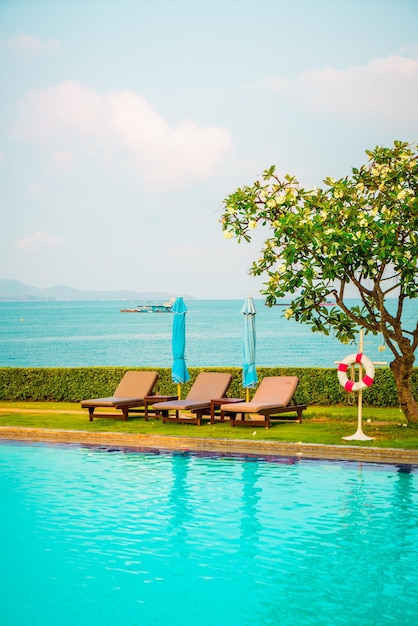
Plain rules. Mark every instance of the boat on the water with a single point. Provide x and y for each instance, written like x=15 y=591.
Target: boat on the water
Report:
x=165 y=307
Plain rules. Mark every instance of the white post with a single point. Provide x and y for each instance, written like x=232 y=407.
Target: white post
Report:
x=359 y=434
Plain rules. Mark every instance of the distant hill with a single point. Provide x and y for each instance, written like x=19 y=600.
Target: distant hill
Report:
x=15 y=291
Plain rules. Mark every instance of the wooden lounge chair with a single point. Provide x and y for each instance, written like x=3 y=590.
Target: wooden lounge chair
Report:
x=207 y=386
x=273 y=398
x=129 y=394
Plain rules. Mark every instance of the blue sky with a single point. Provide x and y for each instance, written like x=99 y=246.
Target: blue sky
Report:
x=124 y=124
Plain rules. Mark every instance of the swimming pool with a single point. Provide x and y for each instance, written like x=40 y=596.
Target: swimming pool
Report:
x=94 y=536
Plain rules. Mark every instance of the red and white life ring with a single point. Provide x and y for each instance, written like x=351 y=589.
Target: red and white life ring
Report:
x=366 y=381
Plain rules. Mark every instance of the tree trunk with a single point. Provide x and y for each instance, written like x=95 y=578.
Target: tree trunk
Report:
x=402 y=368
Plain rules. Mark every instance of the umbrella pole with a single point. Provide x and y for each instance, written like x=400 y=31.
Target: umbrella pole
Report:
x=179 y=391
x=247 y=395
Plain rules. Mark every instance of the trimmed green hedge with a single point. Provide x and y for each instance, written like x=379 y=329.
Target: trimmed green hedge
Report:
x=317 y=385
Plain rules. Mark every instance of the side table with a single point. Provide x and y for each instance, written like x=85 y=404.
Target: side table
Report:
x=150 y=400
x=217 y=402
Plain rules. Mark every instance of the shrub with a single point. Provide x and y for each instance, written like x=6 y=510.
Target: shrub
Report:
x=318 y=386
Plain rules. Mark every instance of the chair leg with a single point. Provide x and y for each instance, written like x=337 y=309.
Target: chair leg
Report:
x=234 y=416
x=199 y=415
x=91 y=411
x=125 y=412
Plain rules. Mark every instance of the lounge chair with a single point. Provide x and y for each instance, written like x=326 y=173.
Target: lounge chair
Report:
x=207 y=386
x=129 y=395
x=273 y=398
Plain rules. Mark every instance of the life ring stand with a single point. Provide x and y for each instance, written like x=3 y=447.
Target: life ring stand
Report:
x=351 y=385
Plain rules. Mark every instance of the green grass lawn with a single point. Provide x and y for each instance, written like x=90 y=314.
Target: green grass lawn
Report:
x=321 y=425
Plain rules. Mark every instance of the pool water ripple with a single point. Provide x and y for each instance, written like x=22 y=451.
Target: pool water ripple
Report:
x=98 y=537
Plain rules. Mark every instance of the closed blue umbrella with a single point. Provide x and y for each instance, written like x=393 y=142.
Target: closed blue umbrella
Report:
x=179 y=371
x=249 y=374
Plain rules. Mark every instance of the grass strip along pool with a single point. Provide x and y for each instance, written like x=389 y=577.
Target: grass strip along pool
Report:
x=320 y=434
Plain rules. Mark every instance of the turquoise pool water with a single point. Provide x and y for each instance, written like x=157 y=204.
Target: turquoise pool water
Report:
x=99 y=537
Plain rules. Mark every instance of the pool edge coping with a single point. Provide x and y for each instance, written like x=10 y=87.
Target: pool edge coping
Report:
x=237 y=446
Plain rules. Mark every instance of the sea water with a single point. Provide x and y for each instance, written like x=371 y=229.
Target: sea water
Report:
x=96 y=333
x=99 y=536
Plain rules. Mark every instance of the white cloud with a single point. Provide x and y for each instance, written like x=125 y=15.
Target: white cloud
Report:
x=39 y=240
x=30 y=44
x=57 y=113
x=61 y=161
x=384 y=88
x=36 y=189
x=162 y=153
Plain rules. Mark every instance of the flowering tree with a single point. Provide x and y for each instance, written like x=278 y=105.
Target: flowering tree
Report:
x=359 y=231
